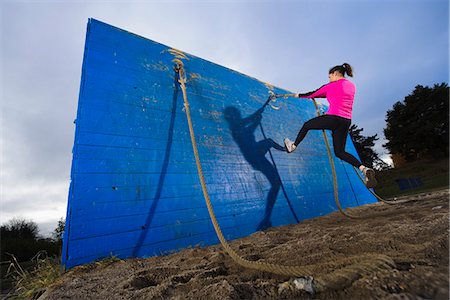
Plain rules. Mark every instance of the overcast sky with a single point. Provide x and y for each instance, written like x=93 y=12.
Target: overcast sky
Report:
x=392 y=45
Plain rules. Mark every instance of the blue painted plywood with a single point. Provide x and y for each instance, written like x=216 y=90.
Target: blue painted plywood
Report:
x=134 y=185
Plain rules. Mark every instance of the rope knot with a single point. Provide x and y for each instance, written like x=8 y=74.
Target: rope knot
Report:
x=179 y=68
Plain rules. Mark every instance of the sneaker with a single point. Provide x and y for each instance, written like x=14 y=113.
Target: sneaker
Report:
x=369 y=177
x=290 y=147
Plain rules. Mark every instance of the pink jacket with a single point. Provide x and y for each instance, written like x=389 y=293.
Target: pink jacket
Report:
x=340 y=95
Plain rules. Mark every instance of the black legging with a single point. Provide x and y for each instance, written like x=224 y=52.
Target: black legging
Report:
x=339 y=127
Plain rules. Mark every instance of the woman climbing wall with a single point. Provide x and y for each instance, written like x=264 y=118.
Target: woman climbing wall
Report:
x=340 y=93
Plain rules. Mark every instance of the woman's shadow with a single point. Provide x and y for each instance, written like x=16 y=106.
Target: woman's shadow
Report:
x=243 y=133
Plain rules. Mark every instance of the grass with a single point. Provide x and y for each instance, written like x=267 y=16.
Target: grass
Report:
x=29 y=280
x=434 y=175
x=98 y=264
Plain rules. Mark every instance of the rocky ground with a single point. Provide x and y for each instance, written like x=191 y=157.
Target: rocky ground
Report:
x=413 y=234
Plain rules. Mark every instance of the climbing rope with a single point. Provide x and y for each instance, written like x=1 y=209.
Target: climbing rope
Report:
x=272 y=268
x=371 y=190
x=273 y=97
x=334 y=173
x=355 y=267
x=333 y=170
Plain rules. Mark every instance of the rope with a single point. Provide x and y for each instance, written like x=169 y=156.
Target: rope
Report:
x=334 y=280
x=272 y=268
x=371 y=190
x=335 y=185
x=275 y=96
x=333 y=170
x=330 y=157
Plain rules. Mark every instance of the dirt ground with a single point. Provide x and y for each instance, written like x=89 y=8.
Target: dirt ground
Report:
x=414 y=234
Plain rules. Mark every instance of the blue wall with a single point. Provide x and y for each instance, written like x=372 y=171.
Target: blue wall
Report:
x=134 y=185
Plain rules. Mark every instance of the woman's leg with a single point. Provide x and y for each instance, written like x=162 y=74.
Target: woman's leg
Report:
x=339 y=127
x=340 y=134
x=320 y=122
x=339 y=138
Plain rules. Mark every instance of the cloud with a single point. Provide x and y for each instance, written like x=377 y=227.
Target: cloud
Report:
x=43 y=201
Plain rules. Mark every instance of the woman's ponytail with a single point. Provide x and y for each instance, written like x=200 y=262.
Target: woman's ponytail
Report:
x=348 y=69
x=345 y=68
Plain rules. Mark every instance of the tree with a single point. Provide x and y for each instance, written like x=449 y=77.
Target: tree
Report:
x=59 y=230
x=364 y=146
x=20 y=228
x=418 y=127
x=20 y=237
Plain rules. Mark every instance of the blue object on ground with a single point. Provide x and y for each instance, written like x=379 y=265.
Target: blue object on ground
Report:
x=409 y=183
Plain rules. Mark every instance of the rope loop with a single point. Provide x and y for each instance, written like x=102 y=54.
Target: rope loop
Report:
x=179 y=68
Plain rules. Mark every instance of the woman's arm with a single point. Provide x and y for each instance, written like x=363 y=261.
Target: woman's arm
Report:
x=319 y=93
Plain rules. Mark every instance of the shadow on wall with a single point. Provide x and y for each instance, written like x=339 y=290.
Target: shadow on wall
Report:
x=243 y=133
x=162 y=175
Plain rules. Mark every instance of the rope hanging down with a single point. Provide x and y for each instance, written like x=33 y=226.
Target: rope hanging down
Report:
x=372 y=192
x=336 y=196
x=333 y=169
x=335 y=280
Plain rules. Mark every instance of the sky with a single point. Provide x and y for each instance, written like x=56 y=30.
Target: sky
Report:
x=392 y=45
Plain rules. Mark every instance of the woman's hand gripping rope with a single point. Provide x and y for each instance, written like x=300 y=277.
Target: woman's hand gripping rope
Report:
x=273 y=98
